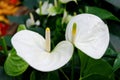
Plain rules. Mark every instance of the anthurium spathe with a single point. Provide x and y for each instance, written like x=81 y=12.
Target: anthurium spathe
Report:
x=36 y=51
x=43 y=8
x=89 y=34
x=30 y=22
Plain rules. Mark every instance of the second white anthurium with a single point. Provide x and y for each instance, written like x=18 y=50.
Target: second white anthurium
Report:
x=30 y=22
x=43 y=8
x=35 y=50
x=89 y=34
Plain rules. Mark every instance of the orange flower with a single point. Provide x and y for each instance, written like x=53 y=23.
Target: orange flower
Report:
x=8 y=7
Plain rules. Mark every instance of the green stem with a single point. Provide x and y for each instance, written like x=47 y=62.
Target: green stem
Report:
x=40 y=7
x=72 y=69
x=4 y=45
x=64 y=74
x=80 y=78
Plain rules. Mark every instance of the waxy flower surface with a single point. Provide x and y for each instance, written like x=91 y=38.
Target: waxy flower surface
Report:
x=91 y=34
x=35 y=50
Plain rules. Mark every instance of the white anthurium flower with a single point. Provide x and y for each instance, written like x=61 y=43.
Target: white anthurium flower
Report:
x=66 y=1
x=89 y=34
x=35 y=50
x=52 y=10
x=43 y=9
x=31 y=21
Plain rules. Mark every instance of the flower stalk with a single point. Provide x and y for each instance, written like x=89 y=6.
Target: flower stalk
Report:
x=4 y=45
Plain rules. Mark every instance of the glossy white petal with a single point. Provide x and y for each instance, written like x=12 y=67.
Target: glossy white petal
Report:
x=37 y=23
x=31 y=47
x=29 y=22
x=92 y=35
x=45 y=6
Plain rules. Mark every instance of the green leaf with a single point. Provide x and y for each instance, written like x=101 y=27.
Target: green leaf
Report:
x=116 y=65
x=102 y=13
x=83 y=60
x=14 y=65
x=21 y=27
x=96 y=77
x=110 y=52
x=92 y=66
x=98 y=67
x=7 y=40
x=32 y=76
x=38 y=30
x=53 y=75
x=36 y=75
x=30 y=3
x=18 y=19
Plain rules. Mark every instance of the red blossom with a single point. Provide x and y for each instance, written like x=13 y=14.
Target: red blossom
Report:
x=13 y=1
x=1 y=48
x=3 y=29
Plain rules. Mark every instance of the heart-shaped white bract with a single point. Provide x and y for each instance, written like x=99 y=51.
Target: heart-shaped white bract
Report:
x=92 y=35
x=31 y=47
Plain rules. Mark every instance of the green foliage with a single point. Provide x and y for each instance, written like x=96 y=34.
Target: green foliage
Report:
x=117 y=63
x=96 y=77
x=18 y=19
x=97 y=69
x=21 y=27
x=30 y=3
x=14 y=65
x=102 y=13
x=50 y=76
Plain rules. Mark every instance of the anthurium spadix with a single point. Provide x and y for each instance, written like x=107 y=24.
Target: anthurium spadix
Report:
x=89 y=34
x=35 y=50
